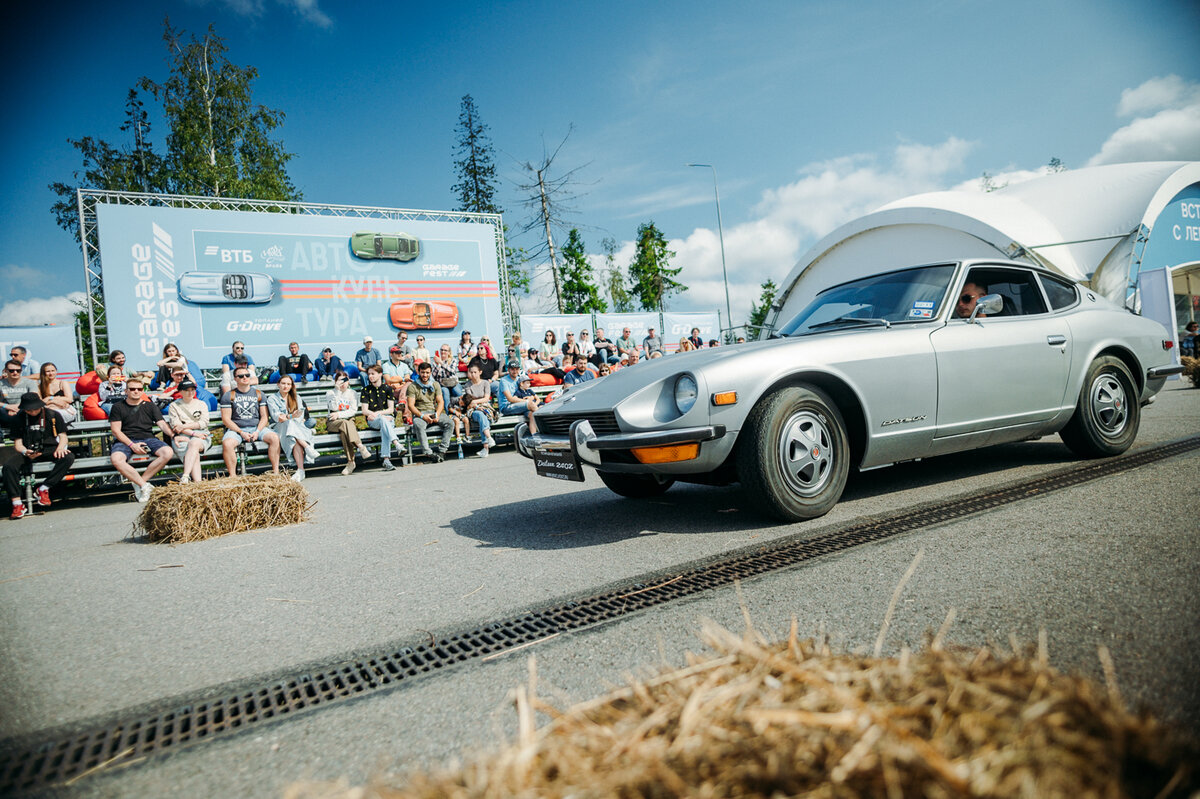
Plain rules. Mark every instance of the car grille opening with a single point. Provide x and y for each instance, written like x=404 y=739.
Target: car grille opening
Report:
x=559 y=424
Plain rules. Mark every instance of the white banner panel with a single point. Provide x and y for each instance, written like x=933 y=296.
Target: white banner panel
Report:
x=534 y=326
x=680 y=325
x=638 y=324
x=53 y=343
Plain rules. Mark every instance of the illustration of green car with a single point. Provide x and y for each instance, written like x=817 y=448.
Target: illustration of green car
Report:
x=392 y=246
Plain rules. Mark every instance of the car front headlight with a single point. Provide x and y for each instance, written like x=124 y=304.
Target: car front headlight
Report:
x=685 y=393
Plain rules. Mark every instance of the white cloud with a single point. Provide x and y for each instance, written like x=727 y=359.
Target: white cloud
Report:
x=40 y=310
x=1157 y=94
x=1166 y=124
x=17 y=275
x=308 y=10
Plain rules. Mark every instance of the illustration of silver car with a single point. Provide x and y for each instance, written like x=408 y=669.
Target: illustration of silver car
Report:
x=900 y=365
x=221 y=288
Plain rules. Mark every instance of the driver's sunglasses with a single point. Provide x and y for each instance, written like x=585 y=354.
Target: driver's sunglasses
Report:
x=966 y=299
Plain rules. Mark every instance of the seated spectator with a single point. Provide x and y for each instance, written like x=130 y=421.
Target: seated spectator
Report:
x=366 y=357
x=466 y=350
x=227 y=378
x=328 y=365
x=115 y=358
x=535 y=364
x=713 y=343
x=686 y=345
x=516 y=348
x=229 y=362
x=485 y=356
x=580 y=374
x=171 y=358
x=343 y=406
x=295 y=363
x=13 y=386
x=132 y=423
x=626 y=343
x=1189 y=339
x=652 y=343
x=549 y=351
x=111 y=390
x=19 y=354
x=421 y=353
x=57 y=394
x=477 y=405
x=188 y=417
x=606 y=351
x=569 y=347
x=525 y=389
x=379 y=409
x=697 y=342
x=425 y=404
x=605 y=369
x=37 y=433
x=287 y=413
x=510 y=403
x=741 y=339
x=586 y=348
x=406 y=350
x=633 y=359
x=244 y=415
x=445 y=372
x=396 y=372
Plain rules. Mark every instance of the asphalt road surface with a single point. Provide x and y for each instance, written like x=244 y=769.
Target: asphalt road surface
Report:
x=95 y=623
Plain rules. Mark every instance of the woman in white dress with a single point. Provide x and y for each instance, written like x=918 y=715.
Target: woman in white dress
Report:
x=343 y=406
x=188 y=417
x=286 y=410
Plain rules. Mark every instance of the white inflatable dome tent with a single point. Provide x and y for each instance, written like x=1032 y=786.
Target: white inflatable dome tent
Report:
x=1117 y=229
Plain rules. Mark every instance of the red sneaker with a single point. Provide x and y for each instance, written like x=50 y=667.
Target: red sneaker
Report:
x=18 y=510
x=43 y=496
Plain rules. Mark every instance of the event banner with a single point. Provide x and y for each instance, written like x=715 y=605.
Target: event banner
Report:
x=205 y=278
x=53 y=343
x=639 y=324
x=534 y=326
x=678 y=326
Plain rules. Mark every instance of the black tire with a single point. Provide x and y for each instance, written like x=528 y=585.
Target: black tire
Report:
x=793 y=454
x=1107 y=414
x=636 y=486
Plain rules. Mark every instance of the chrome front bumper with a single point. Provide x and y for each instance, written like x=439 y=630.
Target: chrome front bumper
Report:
x=586 y=445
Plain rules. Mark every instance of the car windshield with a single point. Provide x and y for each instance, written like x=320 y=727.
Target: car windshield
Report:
x=910 y=295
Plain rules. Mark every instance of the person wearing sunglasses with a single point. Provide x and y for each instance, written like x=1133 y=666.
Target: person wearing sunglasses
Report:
x=132 y=424
x=229 y=362
x=244 y=414
x=41 y=434
x=12 y=387
x=966 y=302
x=343 y=404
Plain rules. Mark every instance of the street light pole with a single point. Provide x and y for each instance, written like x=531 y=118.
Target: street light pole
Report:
x=721 y=234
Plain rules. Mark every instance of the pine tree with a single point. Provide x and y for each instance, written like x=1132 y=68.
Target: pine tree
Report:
x=579 y=290
x=651 y=273
x=614 y=278
x=758 y=313
x=474 y=163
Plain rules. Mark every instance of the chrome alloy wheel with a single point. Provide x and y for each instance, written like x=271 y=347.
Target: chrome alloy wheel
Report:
x=806 y=453
x=1109 y=405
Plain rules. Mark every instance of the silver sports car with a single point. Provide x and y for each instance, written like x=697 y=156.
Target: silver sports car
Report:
x=902 y=365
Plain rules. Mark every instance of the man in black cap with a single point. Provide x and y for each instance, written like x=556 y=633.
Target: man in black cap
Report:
x=38 y=434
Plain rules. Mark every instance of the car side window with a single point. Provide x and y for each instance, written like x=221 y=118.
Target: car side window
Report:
x=1061 y=293
x=1018 y=288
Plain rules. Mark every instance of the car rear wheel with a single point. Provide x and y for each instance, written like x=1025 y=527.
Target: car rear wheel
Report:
x=1107 y=415
x=636 y=486
x=794 y=455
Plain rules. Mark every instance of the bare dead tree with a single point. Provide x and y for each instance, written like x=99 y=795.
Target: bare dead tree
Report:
x=548 y=199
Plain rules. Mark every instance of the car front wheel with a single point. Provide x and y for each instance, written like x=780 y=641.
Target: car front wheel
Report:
x=636 y=486
x=1107 y=415
x=794 y=455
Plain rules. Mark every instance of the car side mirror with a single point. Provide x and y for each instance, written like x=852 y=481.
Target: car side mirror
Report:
x=988 y=305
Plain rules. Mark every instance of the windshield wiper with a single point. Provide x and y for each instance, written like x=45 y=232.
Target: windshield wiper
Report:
x=860 y=320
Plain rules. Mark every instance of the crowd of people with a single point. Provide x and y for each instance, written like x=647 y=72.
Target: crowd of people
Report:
x=452 y=394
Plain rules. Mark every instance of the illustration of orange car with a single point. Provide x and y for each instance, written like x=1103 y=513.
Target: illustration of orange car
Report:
x=409 y=315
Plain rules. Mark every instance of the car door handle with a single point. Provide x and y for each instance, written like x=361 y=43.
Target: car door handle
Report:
x=1056 y=341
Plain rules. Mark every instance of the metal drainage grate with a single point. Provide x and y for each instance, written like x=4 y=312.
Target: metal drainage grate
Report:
x=53 y=762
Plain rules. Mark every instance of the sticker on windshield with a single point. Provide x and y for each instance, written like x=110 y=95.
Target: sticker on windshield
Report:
x=921 y=310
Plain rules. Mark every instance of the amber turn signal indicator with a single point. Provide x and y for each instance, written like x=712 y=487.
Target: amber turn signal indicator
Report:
x=725 y=398
x=668 y=454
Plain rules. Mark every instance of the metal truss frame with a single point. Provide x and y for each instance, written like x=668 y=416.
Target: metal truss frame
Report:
x=89 y=237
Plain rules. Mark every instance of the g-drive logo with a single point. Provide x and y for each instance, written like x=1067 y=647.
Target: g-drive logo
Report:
x=254 y=327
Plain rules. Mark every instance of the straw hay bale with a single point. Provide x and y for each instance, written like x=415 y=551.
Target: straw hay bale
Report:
x=180 y=512
x=793 y=718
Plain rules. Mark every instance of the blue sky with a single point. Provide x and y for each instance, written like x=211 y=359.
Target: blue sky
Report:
x=813 y=113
